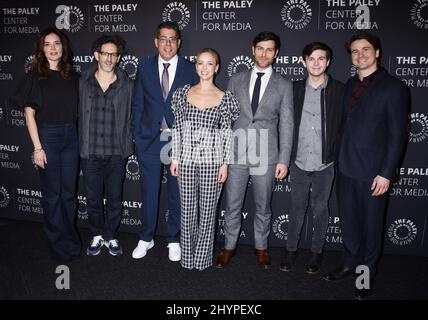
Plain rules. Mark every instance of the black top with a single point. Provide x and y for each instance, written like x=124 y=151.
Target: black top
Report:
x=55 y=99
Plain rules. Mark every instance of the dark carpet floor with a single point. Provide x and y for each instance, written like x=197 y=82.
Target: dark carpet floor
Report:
x=28 y=272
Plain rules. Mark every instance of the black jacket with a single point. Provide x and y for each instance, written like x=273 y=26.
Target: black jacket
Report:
x=331 y=113
x=373 y=134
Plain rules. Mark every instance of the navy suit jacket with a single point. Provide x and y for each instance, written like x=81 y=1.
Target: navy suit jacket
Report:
x=374 y=132
x=148 y=105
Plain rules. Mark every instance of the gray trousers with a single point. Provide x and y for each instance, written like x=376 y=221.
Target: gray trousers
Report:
x=301 y=182
x=235 y=190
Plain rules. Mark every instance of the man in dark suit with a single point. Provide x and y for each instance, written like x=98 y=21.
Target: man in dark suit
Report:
x=157 y=79
x=372 y=139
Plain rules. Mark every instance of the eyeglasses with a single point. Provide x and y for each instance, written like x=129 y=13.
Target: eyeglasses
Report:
x=105 y=54
x=163 y=39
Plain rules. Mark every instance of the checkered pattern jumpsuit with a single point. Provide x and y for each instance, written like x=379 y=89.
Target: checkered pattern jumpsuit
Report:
x=201 y=144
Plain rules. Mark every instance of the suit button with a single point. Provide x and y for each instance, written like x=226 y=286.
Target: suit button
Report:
x=253 y=121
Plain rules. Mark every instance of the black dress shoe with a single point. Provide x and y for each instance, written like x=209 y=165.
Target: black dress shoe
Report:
x=362 y=294
x=288 y=260
x=340 y=274
x=314 y=263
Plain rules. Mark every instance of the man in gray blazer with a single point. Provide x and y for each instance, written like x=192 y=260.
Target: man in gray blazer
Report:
x=261 y=145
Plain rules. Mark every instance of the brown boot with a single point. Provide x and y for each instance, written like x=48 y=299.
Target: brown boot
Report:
x=224 y=258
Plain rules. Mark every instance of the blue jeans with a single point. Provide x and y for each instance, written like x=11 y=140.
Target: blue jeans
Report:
x=104 y=173
x=58 y=181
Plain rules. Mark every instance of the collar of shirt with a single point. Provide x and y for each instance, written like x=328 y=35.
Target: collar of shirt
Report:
x=171 y=69
x=264 y=81
x=321 y=86
x=366 y=80
x=99 y=90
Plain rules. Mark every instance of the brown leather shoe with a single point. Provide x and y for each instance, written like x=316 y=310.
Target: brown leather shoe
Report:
x=224 y=258
x=262 y=258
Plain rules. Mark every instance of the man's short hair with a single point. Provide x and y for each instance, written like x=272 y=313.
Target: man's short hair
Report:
x=311 y=47
x=364 y=35
x=169 y=25
x=115 y=39
x=266 y=36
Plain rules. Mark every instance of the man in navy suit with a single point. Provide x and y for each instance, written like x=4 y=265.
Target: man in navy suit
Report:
x=372 y=139
x=157 y=79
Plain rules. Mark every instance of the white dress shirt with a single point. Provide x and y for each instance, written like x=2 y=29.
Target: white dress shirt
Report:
x=264 y=80
x=171 y=69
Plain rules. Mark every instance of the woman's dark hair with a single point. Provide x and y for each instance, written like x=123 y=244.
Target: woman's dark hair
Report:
x=40 y=64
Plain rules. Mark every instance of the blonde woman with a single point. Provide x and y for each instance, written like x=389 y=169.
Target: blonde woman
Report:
x=200 y=155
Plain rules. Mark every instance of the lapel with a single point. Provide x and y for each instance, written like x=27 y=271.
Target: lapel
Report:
x=157 y=86
x=180 y=67
x=245 y=93
x=268 y=92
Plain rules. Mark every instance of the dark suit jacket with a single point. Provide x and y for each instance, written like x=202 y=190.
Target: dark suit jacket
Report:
x=148 y=106
x=373 y=133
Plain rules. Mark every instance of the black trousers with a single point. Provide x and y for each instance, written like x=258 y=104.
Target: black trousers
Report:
x=362 y=222
x=302 y=199
x=104 y=175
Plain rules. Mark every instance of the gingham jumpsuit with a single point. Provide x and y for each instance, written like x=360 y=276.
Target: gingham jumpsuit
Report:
x=201 y=144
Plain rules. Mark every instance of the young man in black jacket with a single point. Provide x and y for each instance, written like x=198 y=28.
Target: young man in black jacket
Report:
x=317 y=114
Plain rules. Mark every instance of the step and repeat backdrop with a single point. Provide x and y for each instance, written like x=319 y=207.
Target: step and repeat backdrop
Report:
x=228 y=27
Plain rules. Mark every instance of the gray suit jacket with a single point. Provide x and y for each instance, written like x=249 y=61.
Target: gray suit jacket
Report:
x=265 y=138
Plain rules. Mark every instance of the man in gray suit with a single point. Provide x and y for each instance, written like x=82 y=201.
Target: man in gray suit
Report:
x=261 y=146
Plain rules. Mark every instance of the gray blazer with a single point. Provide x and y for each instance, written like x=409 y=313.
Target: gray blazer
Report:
x=270 y=140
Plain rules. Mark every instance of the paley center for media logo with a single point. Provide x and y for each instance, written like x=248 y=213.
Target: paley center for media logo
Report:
x=296 y=14
x=239 y=63
x=129 y=64
x=279 y=227
x=402 y=232
x=132 y=169
x=4 y=197
x=419 y=14
x=178 y=12
x=418 y=127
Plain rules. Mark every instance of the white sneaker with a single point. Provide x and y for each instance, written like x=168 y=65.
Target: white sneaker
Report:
x=141 y=250
x=174 y=251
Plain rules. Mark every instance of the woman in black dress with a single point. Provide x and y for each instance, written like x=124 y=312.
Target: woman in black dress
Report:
x=49 y=98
